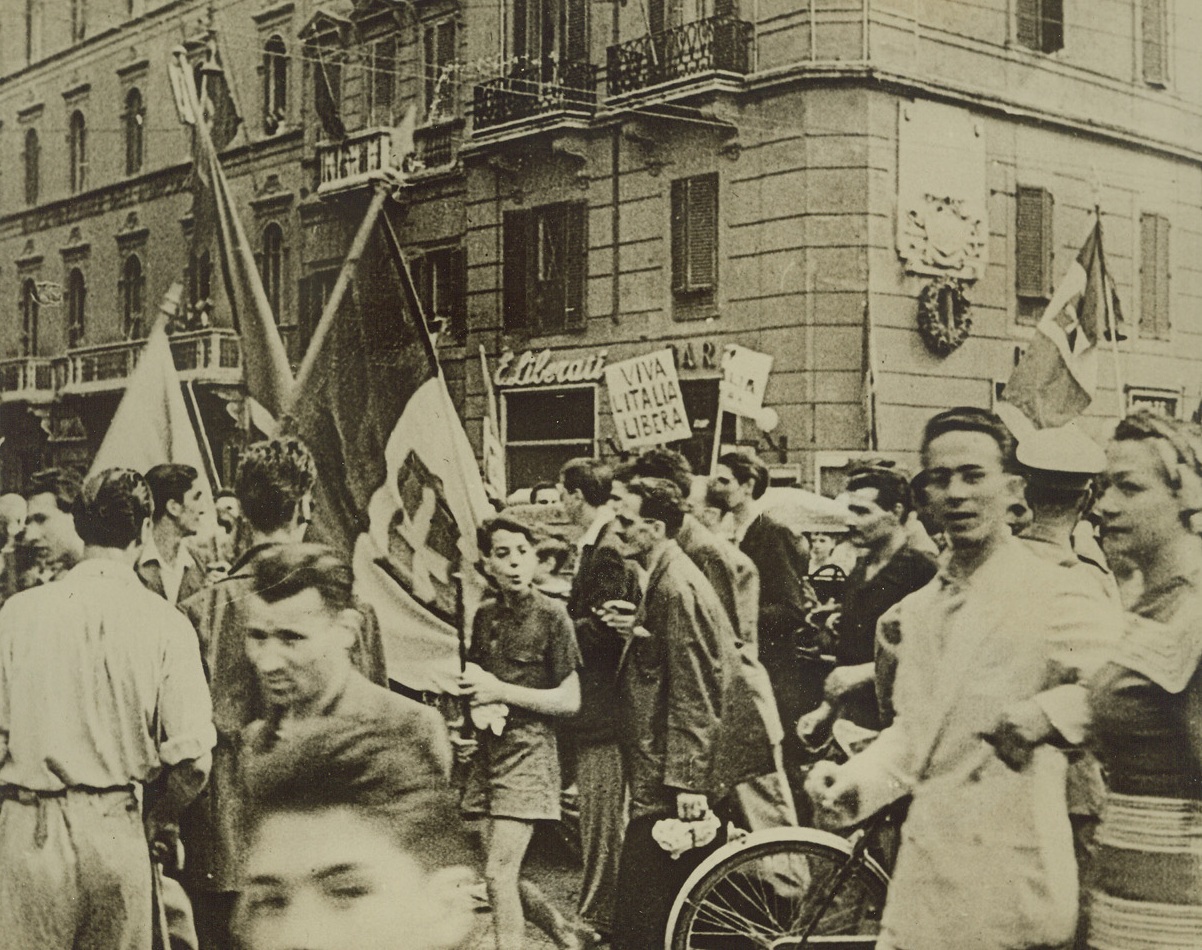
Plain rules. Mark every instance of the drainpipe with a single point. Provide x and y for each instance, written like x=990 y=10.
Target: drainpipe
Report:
x=615 y=185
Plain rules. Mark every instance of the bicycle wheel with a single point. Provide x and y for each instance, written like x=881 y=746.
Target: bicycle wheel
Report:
x=759 y=893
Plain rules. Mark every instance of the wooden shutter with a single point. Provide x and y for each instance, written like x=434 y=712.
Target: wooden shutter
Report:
x=575 y=264
x=695 y=234
x=457 y=291
x=680 y=235
x=1033 y=242
x=521 y=20
x=657 y=15
x=576 y=31
x=1155 y=41
x=1028 y=23
x=515 y=270
x=1154 y=276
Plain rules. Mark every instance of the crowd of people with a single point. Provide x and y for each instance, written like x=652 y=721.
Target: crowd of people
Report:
x=198 y=745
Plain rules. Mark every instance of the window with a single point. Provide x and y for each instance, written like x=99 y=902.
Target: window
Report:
x=380 y=63
x=79 y=17
x=77 y=147
x=271 y=267
x=134 y=122
x=1154 y=276
x=1041 y=24
x=32 y=158
x=77 y=299
x=545 y=268
x=130 y=291
x=551 y=31
x=200 y=287
x=275 y=85
x=29 y=317
x=327 y=92
x=1154 y=33
x=440 y=278
x=544 y=428
x=695 y=244
x=1033 y=251
x=315 y=291
x=438 y=58
x=33 y=39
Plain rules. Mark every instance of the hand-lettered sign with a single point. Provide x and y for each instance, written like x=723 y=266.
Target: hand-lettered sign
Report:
x=647 y=404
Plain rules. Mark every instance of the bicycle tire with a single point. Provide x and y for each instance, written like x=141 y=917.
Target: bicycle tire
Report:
x=733 y=898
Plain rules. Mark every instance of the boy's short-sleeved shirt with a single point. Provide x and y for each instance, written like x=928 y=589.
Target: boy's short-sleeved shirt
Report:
x=531 y=643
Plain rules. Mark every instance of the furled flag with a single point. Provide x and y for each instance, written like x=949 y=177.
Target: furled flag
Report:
x=152 y=425
x=1056 y=378
x=264 y=360
x=398 y=490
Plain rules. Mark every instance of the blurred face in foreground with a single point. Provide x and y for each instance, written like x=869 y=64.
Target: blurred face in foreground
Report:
x=330 y=879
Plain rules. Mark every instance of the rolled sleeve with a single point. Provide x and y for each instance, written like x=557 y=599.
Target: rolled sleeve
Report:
x=185 y=707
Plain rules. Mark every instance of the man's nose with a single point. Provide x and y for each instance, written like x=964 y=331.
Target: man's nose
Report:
x=266 y=655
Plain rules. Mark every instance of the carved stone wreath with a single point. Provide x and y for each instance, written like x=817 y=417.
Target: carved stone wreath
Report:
x=943 y=319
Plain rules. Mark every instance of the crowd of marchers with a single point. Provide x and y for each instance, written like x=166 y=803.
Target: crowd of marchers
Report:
x=199 y=747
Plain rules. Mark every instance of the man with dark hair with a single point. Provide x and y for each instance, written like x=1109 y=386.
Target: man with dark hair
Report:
x=344 y=850
x=102 y=691
x=274 y=485
x=991 y=656
x=762 y=796
x=788 y=650
x=544 y=493
x=166 y=566
x=675 y=675
x=50 y=534
x=878 y=502
x=603 y=575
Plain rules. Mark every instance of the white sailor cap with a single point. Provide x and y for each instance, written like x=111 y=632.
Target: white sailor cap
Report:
x=1064 y=451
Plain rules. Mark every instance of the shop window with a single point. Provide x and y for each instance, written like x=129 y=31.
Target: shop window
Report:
x=77 y=146
x=31 y=158
x=275 y=85
x=1154 y=29
x=701 y=406
x=77 y=299
x=130 y=292
x=29 y=317
x=694 y=245
x=1041 y=24
x=380 y=62
x=438 y=58
x=440 y=278
x=544 y=428
x=1154 y=276
x=545 y=268
x=1033 y=245
x=134 y=122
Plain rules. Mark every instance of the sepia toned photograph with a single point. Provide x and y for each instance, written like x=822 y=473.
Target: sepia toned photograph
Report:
x=600 y=474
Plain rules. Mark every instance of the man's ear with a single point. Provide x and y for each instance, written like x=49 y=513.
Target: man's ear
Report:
x=448 y=896
x=174 y=508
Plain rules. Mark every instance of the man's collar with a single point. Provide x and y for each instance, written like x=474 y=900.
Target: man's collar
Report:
x=603 y=516
x=755 y=508
x=150 y=551
x=102 y=567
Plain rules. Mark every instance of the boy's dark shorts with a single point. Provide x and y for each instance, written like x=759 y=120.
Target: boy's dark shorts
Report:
x=515 y=775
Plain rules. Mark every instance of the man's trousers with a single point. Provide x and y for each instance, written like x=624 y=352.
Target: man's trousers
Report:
x=599 y=778
x=74 y=872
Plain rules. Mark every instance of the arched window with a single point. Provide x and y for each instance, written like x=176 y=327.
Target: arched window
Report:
x=129 y=290
x=77 y=146
x=271 y=264
x=29 y=317
x=32 y=158
x=77 y=298
x=134 y=120
x=275 y=84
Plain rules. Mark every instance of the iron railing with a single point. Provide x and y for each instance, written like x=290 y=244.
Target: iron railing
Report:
x=437 y=145
x=720 y=44
x=529 y=90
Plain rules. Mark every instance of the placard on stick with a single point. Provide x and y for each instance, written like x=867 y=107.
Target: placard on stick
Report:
x=644 y=394
x=744 y=379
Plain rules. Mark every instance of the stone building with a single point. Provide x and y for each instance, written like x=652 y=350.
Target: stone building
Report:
x=837 y=183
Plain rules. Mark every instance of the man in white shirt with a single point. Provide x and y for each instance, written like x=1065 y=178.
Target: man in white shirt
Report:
x=101 y=692
x=166 y=566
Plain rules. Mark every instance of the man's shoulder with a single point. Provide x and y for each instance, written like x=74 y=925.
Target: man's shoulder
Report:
x=371 y=701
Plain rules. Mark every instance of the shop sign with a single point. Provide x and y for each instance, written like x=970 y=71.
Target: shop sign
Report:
x=695 y=354
x=533 y=368
x=744 y=379
x=648 y=407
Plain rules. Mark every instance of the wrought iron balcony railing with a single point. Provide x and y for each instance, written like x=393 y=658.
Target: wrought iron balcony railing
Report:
x=213 y=355
x=27 y=379
x=437 y=145
x=350 y=162
x=720 y=44
x=531 y=90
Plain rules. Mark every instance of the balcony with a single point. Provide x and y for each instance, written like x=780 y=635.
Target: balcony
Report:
x=27 y=379
x=714 y=46
x=353 y=161
x=436 y=145
x=210 y=356
x=549 y=89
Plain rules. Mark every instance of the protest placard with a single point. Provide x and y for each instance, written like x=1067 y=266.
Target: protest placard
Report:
x=648 y=407
x=744 y=379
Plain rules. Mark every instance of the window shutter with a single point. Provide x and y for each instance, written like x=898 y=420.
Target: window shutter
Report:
x=703 y=232
x=1028 y=23
x=457 y=292
x=680 y=235
x=1033 y=242
x=1154 y=276
x=430 y=63
x=1154 y=32
x=521 y=17
x=575 y=265
x=657 y=15
x=515 y=270
x=576 y=31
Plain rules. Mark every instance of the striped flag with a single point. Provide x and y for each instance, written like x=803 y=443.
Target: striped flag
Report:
x=1057 y=377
